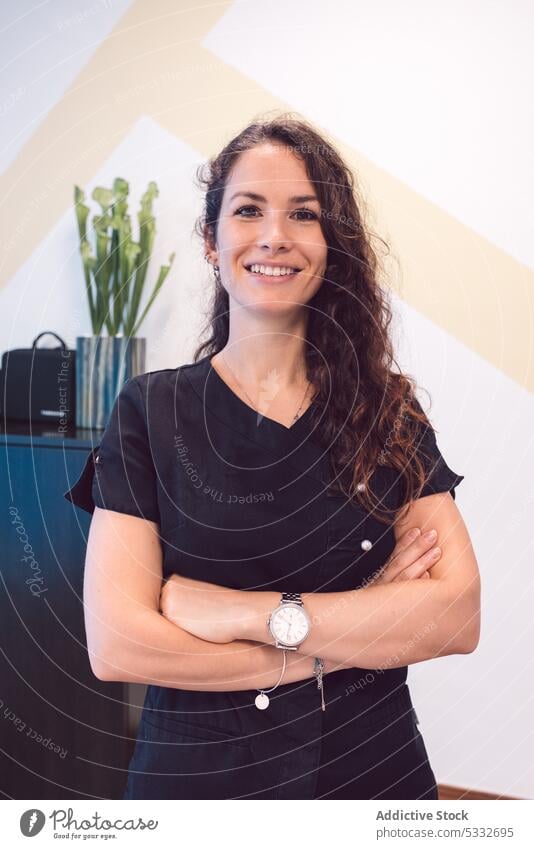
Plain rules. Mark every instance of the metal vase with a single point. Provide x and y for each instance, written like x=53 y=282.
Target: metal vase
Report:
x=103 y=365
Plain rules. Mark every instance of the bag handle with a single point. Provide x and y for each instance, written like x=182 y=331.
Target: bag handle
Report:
x=45 y=333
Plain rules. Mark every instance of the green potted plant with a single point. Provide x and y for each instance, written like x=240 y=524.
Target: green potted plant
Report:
x=115 y=274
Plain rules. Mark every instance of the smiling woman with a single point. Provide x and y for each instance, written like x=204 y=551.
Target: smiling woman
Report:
x=297 y=375
x=266 y=273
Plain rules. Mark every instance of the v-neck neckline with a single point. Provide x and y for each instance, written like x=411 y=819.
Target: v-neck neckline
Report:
x=294 y=445
x=260 y=417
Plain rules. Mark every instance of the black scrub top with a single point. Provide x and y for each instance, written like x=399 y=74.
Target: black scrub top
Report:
x=243 y=501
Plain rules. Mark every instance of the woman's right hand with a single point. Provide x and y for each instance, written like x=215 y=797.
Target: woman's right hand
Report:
x=411 y=558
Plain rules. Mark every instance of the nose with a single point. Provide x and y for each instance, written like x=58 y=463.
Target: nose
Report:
x=274 y=231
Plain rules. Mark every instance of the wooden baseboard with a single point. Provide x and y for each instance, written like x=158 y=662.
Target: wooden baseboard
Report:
x=449 y=791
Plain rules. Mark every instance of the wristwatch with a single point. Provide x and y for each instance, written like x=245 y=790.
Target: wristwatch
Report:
x=289 y=623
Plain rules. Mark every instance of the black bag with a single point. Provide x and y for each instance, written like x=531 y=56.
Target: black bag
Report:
x=38 y=384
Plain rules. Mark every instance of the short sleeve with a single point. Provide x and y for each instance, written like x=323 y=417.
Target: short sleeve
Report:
x=119 y=473
x=439 y=476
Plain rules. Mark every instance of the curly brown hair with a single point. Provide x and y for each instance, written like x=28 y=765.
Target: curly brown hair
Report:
x=365 y=413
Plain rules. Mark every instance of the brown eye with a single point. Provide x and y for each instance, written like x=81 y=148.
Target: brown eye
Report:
x=311 y=216
x=308 y=212
x=241 y=208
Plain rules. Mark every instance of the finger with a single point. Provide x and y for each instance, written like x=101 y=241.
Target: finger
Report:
x=406 y=539
x=390 y=570
x=421 y=577
x=393 y=564
x=404 y=557
x=417 y=569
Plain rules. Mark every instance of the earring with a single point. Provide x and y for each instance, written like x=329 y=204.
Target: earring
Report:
x=207 y=258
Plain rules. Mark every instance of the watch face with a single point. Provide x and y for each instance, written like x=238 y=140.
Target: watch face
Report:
x=290 y=624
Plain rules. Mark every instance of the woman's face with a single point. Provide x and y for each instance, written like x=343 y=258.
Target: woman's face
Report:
x=270 y=216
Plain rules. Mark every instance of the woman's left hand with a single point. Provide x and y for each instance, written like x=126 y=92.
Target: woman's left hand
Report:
x=205 y=610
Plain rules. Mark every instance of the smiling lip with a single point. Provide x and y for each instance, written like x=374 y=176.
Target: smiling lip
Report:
x=273 y=277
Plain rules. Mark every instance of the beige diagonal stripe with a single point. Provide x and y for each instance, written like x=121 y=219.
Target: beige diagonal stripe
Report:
x=153 y=64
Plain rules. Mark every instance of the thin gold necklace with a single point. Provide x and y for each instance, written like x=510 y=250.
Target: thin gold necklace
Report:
x=295 y=417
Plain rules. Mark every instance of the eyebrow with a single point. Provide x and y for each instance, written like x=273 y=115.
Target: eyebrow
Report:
x=261 y=199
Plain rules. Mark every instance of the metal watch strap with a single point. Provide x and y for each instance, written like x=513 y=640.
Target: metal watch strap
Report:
x=294 y=598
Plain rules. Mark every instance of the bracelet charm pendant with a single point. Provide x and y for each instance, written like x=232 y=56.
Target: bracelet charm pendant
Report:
x=261 y=701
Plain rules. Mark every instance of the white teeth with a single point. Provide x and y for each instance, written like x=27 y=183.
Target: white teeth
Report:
x=277 y=271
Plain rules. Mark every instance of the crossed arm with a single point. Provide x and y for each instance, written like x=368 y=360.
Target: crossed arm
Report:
x=381 y=625
x=413 y=620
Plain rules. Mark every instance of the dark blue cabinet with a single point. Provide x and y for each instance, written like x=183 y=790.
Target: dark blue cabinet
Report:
x=63 y=733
